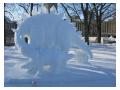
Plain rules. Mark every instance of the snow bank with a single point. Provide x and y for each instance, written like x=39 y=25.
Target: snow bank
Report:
x=110 y=39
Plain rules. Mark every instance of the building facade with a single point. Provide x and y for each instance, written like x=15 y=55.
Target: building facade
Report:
x=108 y=27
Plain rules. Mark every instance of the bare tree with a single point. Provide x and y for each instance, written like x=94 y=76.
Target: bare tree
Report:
x=97 y=11
x=87 y=13
x=66 y=10
x=72 y=9
x=49 y=5
x=28 y=7
x=31 y=8
x=102 y=12
x=77 y=10
x=8 y=9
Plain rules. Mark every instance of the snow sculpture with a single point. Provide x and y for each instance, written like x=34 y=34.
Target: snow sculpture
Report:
x=46 y=39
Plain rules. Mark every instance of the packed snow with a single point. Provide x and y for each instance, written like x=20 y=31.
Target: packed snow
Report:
x=100 y=72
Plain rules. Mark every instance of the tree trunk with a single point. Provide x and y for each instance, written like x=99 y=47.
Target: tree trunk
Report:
x=87 y=36
x=99 y=32
x=86 y=32
x=31 y=9
x=86 y=15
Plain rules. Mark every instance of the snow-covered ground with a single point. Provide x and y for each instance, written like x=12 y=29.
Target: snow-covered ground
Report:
x=100 y=71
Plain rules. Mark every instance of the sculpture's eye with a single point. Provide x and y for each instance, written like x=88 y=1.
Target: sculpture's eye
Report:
x=27 y=39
